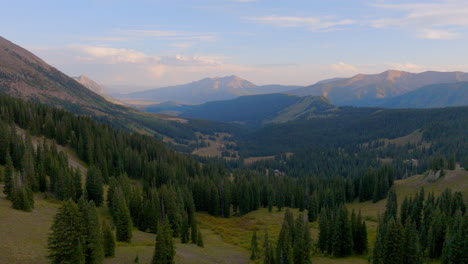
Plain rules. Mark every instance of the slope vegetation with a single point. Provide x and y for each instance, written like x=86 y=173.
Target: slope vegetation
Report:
x=437 y=95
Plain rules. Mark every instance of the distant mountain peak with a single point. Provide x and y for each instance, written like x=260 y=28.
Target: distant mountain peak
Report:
x=90 y=84
x=371 y=89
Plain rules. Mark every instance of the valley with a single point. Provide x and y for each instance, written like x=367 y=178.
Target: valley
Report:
x=371 y=168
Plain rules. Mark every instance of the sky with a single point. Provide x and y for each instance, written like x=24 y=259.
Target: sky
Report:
x=131 y=45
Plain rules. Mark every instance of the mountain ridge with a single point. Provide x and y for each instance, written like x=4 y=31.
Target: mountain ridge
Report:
x=205 y=90
x=371 y=89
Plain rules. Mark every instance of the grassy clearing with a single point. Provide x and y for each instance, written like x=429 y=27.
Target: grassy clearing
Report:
x=216 y=146
x=24 y=239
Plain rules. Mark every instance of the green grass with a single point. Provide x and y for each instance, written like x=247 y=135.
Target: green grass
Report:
x=24 y=239
x=24 y=235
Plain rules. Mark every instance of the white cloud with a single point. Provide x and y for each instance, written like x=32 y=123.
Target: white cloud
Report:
x=182 y=45
x=166 y=34
x=438 y=34
x=315 y=24
x=437 y=20
x=407 y=66
x=344 y=68
x=112 y=55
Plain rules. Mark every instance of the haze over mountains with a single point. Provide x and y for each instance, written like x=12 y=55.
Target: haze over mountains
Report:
x=360 y=90
x=24 y=75
x=205 y=90
x=374 y=89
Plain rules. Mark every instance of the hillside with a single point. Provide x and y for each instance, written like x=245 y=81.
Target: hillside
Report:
x=353 y=125
x=24 y=75
x=371 y=90
x=205 y=90
x=432 y=96
x=256 y=110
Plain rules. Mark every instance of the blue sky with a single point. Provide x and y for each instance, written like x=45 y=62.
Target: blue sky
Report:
x=154 y=43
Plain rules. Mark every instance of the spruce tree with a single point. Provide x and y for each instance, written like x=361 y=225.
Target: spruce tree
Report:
x=200 y=239
x=22 y=197
x=254 y=247
x=391 y=209
x=392 y=250
x=324 y=230
x=8 y=179
x=94 y=186
x=108 y=240
x=164 y=251
x=455 y=248
x=284 y=248
x=410 y=244
x=93 y=248
x=122 y=219
x=342 y=237
x=65 y=242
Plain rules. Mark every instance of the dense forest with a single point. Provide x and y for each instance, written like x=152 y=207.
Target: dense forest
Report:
x=158 y=190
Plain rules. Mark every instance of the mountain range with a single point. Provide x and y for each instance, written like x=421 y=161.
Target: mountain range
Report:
x=205 y=90
x=374 y=89
x=24 y=75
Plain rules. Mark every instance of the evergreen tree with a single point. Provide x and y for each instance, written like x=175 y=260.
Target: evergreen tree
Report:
x=122 y=219
x=359 y=235
x=268 y=256
x=94 y=186
x=108 y=240
x=456 y=245
x=164 y=251
x=254 y=246
x=410 y=244
x=193 y=231
x=324 y=231
x=302 y=241
x=22 y=197
x=66 y=241
x=392 y=250
x=8 y=179
x=284 y=248
x=342 y=237
x=391 y=208
x=200 y=239
x=93 y=247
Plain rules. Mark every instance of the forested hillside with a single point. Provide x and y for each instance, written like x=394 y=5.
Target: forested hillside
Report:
x=24 y=75
x=445 y=127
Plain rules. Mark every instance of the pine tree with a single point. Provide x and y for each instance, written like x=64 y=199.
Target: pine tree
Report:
x=410 y=244
x=254 y=246
x=268 y=256
x=284 y=248
x=342 y=237
x=94 y=186
x=392 y=251
x=391 y=208
x=359 y=235
x=122 y=219
x=108 y=240
x=164 y=251
x=200 y=239
x=93 y=248
x=22 y=197
x=302 y=241
x=324 y=230
x=8 y=179
x=193 y=231
x=455 y=248
x=66 y=241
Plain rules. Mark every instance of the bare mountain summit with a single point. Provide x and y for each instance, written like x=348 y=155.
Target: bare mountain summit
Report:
x=372 y=89
x=205 y=90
